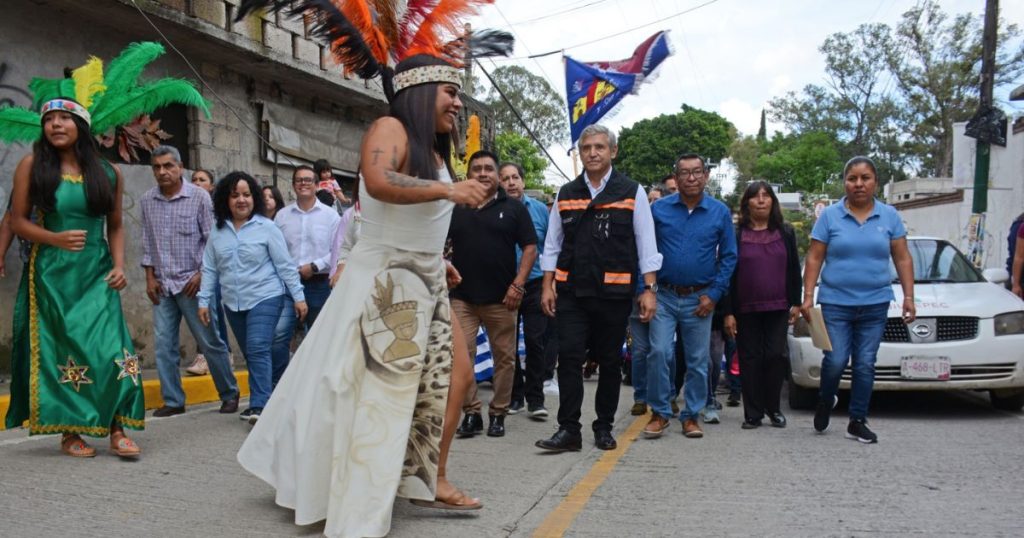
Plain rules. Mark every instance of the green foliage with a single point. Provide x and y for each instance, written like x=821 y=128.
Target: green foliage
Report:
x=513 y=147
x=539 y=104
x=804 y=162
x=802 y=222
x=647 y=149
x=893 y=93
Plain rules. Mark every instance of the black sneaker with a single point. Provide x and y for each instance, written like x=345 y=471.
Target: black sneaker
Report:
x=254 y=415
x=822 y=415
x=858 y=429
x=537 y=412
x=516 y=408
x=244 y=415
x=734 y=399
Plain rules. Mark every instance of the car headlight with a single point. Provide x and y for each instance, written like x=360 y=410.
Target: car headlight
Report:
x=1009 y=323
x=802 y=330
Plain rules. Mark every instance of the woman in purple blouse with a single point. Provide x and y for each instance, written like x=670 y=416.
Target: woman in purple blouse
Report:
x=764 y=298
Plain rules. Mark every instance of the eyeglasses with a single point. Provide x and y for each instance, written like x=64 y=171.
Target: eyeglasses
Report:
x=697 y=173
x=303 y=181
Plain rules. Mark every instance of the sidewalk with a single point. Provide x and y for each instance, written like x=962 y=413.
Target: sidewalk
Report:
x=198 y=389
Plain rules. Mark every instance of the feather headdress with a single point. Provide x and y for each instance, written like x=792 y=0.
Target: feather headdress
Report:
x=107 y=99
x=370 y=37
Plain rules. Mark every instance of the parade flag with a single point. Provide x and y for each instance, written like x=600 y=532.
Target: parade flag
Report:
x=645 y=59
x=592 y=93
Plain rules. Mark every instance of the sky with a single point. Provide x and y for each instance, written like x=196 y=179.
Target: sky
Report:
x=731 y=56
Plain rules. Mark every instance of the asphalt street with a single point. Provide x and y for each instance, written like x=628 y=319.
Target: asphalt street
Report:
x=946 y=465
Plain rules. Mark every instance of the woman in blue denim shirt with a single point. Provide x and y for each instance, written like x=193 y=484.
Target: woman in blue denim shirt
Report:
x=247 y=257
x=855 y=239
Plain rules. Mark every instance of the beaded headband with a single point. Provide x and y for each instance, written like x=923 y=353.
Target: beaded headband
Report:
x=67 y=106
x=426 y=75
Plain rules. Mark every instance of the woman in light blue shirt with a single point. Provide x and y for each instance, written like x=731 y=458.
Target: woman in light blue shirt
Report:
x=247 y=256
x=855 y=239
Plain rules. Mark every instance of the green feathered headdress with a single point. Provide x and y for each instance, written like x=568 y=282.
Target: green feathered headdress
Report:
x=113 y=98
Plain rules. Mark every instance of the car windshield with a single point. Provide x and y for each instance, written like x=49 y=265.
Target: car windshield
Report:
x=938 y=262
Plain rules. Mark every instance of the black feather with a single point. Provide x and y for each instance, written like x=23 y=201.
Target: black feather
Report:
x=490 y=42
x=329 y=25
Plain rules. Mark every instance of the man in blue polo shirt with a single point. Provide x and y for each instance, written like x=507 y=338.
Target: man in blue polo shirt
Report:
x=696 y=238
x=528 y=383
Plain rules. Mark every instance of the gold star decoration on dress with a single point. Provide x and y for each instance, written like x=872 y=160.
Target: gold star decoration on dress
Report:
x=74 y=374
x=130 y=367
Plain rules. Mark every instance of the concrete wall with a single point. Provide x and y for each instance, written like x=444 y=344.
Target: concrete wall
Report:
x=258 y=60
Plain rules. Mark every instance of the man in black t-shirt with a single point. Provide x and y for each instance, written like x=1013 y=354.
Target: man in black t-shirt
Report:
x=484 y=241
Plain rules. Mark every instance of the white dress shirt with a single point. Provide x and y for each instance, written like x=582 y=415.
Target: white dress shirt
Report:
x=309 y=233
x=643 y=230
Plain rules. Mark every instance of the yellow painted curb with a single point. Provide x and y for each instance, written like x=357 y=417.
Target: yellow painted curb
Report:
x=198 y=390
x=561 y=518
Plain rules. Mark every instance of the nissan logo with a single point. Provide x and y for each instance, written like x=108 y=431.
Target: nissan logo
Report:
x=922 y=330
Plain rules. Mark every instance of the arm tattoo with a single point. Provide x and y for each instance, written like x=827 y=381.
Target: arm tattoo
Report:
x=376 y=153
x=394 y=157
x=409 y=182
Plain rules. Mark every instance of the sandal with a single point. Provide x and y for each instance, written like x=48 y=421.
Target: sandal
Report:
x=458 y=501
x=124 y=447
x=74 y=446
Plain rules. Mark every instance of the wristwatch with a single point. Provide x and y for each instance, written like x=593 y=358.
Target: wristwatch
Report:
x=652 y=287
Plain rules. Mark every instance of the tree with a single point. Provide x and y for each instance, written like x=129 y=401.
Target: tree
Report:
x=647 y=149
x=806 y=162
x=536 y=101
x=512 y=147
x=762 y=131
x=937 y=66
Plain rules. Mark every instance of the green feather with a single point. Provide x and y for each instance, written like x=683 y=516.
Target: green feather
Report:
x=123 y=72
x=19 y=125
x=46 y=89
x=121 y=108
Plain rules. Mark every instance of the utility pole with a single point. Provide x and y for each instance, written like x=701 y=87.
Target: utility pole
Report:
x=467 y=83
x=988 y=126
x=988 y=72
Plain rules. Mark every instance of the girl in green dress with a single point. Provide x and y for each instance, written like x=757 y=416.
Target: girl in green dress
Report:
x=75 y=371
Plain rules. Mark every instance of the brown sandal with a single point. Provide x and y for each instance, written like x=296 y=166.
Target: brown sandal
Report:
x=458 y=501
x=73 y=445
x=124 y=447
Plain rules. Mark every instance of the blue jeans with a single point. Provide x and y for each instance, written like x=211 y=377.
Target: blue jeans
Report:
x=676 y=311
x=316 y=292
x=641 y=347
x=856 y=332
x=166 y=324
x=254 y=330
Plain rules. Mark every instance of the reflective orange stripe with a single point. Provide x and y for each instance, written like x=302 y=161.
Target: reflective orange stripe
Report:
x=573 y=205
x=561 y=276
x=618 y=278
x=628 y=203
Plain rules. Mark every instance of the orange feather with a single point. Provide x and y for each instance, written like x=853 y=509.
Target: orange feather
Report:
x=442 y=19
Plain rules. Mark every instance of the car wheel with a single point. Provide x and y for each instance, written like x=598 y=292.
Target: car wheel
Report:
x=801 y=397
x=1013 y=402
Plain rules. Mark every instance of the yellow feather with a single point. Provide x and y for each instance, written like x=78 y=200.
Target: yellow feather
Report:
x=473 y=135
x=88 y=81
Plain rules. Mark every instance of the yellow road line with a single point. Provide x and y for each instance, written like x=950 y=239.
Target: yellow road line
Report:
x=561 y=518
x=198 y=389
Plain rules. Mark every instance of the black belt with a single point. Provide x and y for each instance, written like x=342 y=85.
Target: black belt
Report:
x=684 y=290
x=319 y=277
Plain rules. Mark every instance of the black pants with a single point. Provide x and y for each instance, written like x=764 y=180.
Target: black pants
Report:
x=601 y=323
x=764 y=356
x=528 y=384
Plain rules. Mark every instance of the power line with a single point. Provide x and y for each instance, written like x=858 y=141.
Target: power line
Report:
x=592 y=41
x=521 y=120
x=555 y=14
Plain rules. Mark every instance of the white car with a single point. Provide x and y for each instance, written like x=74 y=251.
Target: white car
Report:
x=969 y=334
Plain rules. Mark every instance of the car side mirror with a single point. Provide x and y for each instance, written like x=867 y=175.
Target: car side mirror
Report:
x=996 y=275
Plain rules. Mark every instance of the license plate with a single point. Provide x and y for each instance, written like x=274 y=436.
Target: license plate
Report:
x=915 y=367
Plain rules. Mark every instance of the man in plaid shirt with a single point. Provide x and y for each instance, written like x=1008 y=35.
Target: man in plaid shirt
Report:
x=176 y=221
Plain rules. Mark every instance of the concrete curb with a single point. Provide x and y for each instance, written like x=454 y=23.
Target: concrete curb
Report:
x=198 y=390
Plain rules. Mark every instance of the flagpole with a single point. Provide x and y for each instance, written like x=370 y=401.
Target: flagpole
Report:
x=575 y=162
